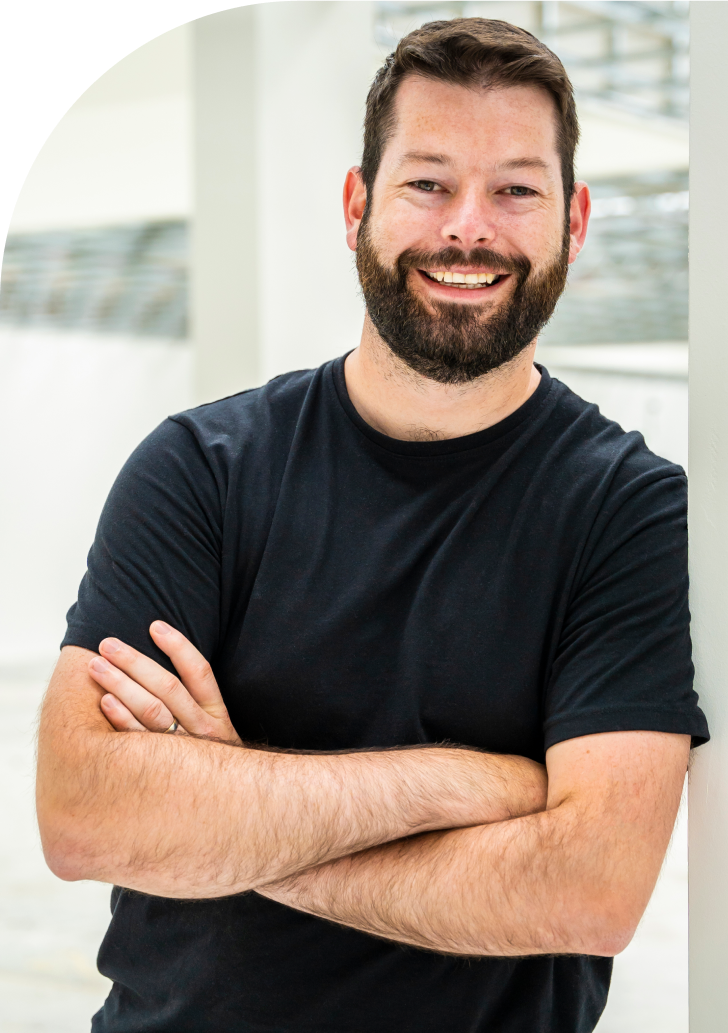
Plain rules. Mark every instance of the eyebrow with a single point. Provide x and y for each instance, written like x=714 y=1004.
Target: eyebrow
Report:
x=526 y=163
x=419 y=156
x=442 y=159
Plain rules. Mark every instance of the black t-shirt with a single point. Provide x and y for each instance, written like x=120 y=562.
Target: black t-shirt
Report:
x=508 y=590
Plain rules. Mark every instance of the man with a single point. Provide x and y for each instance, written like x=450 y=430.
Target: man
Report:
x=415 y=575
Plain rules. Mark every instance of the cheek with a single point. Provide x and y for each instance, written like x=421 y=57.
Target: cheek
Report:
x=386 y=246
x=403 y=226
x=539 y=239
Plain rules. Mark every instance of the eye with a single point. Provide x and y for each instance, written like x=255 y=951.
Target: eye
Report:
x=517 y=191
x=425 y=184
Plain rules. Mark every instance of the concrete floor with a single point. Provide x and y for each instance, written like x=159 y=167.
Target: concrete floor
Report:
x=50 y=930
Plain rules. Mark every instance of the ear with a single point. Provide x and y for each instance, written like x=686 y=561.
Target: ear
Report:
x=578 y=219
x=355 y=199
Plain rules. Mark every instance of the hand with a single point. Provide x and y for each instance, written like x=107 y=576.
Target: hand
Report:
x=142 y=696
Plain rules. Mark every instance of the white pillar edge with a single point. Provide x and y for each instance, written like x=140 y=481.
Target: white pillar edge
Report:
x=708 y=800
x=224 y=295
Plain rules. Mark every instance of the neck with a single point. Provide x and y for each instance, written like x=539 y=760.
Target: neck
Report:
x=402 y=404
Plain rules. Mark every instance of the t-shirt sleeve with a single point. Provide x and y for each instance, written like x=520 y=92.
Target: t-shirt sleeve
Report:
x=624 y=657
x=156 y=554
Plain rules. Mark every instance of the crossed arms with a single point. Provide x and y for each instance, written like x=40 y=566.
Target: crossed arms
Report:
x=449 y=849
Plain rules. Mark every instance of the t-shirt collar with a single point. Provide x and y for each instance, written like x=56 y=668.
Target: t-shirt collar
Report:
x=448 y=446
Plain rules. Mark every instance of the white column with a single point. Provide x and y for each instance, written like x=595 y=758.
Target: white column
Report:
x=709 y=511
x=316 y=62
x=280 y=90
x=224 y=299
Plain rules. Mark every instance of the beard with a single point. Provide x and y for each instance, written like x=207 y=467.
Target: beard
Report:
x=457 y=343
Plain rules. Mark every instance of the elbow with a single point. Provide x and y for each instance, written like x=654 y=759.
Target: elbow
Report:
x=64 y=865
x=607 y=930
x=63 y=858
x=67 y=849
x=581 y=930
x=71 y=832
x=610 y=940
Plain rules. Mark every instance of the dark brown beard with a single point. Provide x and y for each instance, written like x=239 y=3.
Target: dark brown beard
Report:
x=458 y=343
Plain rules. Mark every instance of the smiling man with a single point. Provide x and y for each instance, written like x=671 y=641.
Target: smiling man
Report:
x=428 y=613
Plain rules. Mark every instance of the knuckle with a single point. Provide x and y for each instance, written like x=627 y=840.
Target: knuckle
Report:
x=201 y=670
x=169 y=684
x=153 y=713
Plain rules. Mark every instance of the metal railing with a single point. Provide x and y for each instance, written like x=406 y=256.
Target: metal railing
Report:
x=625 y=52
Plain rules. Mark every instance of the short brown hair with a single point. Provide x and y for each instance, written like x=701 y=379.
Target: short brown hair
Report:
x=470 y=52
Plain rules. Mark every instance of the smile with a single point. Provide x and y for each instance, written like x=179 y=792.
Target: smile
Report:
x=465 y=281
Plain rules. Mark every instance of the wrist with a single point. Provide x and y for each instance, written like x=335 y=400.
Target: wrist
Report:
x=484 y=788
x=534 y=787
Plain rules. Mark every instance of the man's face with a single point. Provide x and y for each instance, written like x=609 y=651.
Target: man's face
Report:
x=464 y=247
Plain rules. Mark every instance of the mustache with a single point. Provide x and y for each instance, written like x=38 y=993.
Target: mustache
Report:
x=413 y=258
x=455 y=344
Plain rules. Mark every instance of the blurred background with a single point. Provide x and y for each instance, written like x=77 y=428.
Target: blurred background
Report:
x=170 y=246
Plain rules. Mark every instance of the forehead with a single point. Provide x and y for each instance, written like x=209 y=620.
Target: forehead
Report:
x=481 y=126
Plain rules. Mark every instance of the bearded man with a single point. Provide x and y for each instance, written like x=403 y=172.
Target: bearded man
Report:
x=427 y=611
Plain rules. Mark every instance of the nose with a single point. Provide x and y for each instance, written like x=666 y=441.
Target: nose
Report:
x=470 y=221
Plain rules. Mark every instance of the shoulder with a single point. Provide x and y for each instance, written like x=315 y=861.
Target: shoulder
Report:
x=612 y=485
x=250 y=429
x=207 y=451
x=599 y=449
x=249 y=416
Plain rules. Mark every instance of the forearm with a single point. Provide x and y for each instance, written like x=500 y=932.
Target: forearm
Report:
x=181 y=816
x=535 y=885
x=572 y=879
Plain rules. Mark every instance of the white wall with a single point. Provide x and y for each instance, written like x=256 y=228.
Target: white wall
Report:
x=72 y=408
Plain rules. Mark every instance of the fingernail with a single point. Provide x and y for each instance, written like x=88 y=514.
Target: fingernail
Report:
x=161 y=628
x=100 y=666
x=110 y=645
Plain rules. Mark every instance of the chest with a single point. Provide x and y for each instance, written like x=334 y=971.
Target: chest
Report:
x=387 y=613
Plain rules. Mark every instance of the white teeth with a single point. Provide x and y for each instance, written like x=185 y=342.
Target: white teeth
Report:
x=463 y=279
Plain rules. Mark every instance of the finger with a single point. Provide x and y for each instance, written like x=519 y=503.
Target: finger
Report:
x=192 y=667
x=158 y=682
x=147 y=708
x=119 y=716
